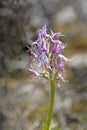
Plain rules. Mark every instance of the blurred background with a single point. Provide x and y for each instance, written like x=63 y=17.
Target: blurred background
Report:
x=24 y=100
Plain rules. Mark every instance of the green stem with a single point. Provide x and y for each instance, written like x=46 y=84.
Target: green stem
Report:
x=51 y=104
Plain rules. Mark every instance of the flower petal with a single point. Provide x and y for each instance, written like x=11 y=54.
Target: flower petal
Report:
x=34 y=72
x=43 y=59
x=62 y=78
x=56 y=36
x=61 y=65
x=63 y=58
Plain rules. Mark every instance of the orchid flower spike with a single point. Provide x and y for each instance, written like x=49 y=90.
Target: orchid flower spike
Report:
x=46 y=54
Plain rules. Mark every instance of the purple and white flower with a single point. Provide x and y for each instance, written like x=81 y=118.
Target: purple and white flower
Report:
x=46 y=53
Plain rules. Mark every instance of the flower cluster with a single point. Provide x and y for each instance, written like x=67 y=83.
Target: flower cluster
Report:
x=46 y=57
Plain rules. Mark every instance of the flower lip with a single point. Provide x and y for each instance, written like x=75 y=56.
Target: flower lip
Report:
x=63 y=58
x=33 y=71
x=43 y=59
x=57 y=48
x=61 y=65
x=57 y=36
